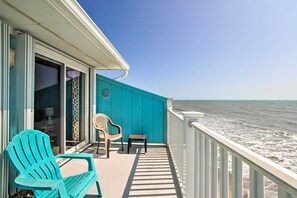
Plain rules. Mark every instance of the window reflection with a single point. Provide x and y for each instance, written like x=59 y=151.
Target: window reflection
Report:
x=47 y=101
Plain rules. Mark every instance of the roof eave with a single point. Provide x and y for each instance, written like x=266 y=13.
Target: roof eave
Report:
x=78 y=13
x=66 y=27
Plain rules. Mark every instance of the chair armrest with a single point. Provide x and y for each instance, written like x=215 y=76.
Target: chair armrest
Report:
x=85 y=156
x=117 y=126
x=40 y=184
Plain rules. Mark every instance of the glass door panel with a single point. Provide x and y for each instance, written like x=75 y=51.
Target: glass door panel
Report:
x=75 y=82
x=47 y=101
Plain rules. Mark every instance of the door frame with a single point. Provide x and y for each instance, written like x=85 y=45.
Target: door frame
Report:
x=49 y=53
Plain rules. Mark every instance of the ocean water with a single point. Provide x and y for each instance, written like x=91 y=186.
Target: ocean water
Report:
x=268 y=128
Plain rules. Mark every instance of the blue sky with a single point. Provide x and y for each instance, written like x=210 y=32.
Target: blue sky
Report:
x=210 y=49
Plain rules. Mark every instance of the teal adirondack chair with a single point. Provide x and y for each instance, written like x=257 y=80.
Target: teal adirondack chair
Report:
x=31 y=154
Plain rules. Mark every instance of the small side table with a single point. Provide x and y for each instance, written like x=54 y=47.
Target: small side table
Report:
x=137 y=137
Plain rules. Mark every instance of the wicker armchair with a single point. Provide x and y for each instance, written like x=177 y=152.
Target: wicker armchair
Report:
x=100 y=122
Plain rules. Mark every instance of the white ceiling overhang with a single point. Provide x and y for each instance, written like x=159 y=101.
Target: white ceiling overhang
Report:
x=65 y=26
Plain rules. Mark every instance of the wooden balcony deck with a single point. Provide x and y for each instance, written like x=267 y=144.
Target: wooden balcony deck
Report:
x=137 y=174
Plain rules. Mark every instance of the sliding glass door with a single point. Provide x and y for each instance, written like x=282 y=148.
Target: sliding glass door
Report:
x=47 y=105
x=60 y=104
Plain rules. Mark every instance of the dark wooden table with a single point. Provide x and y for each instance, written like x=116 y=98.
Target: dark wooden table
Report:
x=137 y=137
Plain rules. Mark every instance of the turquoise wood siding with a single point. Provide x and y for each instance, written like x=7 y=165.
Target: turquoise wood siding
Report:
x=137 y=111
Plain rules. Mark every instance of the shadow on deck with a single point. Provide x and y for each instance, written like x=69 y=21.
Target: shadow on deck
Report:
x=137 y=174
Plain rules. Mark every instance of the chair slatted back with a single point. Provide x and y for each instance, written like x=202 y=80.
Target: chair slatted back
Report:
x=100 y=122
x=31 y=154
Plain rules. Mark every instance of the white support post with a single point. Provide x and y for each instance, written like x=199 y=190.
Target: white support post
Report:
x=92 y=104
x=189 y=117
x=25 y=67
x=4 y=105
x=169 y=108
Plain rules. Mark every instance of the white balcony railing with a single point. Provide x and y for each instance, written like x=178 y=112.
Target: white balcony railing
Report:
x=210 y=165
x=176 y=140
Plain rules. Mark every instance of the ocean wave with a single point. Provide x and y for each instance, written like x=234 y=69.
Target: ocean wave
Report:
x=273 y=144
x=267 y=128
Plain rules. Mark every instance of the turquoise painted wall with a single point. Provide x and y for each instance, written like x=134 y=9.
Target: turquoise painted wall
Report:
x=137 y=111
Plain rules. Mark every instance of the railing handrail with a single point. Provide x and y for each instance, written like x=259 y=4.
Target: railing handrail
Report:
x=176 y=114
x=259 y=165
x=275 y=172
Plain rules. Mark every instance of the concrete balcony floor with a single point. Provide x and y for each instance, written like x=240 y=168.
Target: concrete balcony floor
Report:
x=137 y=174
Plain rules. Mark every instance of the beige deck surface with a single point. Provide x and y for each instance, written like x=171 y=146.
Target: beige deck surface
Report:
x=137 y=174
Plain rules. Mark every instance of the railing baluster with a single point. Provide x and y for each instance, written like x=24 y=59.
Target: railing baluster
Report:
x=207 y=153
x=236 y=177
x=197 y=163
x=256 y=184
x=283 y=194
x=223 y=173
x=202 y=167
x=214 y=169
